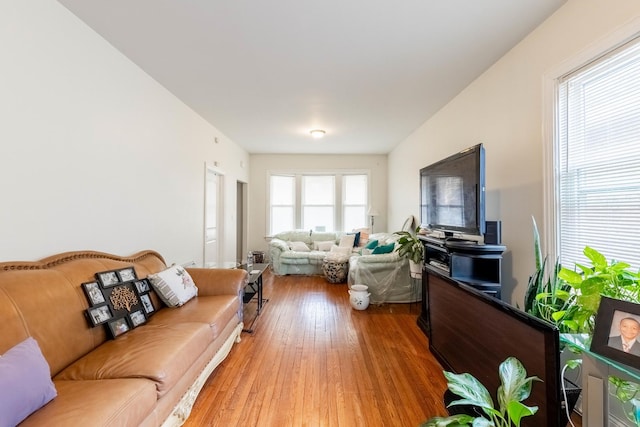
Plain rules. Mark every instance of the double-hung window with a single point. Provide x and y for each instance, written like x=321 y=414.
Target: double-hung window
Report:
x=597 y=159
x=322 y=201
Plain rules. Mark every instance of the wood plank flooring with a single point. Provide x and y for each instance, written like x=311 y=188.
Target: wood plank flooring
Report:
x=314 y=361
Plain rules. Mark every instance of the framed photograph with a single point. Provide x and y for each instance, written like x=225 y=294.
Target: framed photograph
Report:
x=147 y=305
x=143 y=286
x=99 y=314
x=119 y=326
x=137 y=318
x=108 y=278
x=127 y=274
x=617 y=331
x=93 y=292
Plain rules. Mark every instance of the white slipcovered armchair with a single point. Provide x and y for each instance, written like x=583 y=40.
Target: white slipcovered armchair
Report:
x=386 y=275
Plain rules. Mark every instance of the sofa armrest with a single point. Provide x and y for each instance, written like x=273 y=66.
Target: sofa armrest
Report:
x=279 y=244
x=219 y=281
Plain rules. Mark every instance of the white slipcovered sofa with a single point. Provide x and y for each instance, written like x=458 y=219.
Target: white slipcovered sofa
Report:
x=285 y=259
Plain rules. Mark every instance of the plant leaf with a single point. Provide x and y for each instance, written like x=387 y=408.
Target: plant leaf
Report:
x=597 y=259
x=452 y=421
x=515 y=384
x=517 y=411
x=470 y=389
x=569 y=276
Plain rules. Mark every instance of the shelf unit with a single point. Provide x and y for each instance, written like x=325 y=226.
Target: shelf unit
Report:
x=474 y=264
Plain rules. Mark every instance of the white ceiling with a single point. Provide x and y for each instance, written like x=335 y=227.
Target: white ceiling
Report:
x=264 y=73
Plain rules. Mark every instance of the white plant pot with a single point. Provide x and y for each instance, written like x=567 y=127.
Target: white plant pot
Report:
x=359 y=297
x=415 y=269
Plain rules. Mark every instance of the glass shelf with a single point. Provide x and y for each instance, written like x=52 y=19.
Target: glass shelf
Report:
x=583 y=342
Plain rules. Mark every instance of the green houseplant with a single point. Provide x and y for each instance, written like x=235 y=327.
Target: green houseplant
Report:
x=515 y=387
x=411 y=247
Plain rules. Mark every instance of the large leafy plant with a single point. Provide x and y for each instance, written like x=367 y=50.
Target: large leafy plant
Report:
x=570 y=299
x=515 y=387
x=546 y=294
x=410 y=246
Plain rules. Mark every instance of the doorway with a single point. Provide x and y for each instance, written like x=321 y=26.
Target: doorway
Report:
x=212 y=216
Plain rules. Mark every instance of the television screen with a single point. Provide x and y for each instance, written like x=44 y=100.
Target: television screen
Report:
x=452 y=193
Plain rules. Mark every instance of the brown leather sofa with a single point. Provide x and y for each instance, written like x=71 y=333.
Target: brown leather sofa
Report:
x=149 y=376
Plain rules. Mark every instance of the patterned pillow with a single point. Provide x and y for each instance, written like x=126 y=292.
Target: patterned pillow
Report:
x=174 y=286
x=25 y=382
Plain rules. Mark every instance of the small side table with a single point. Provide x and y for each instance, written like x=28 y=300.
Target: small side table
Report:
x=254 y=289
x=335 y=268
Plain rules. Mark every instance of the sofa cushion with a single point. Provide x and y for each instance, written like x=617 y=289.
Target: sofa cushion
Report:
x=25 y=382
x=82 y=403
x=174 y=286
x=299 y=247
x=216 y=311
x=161 y=353
x=344 y=250
x=324 y=245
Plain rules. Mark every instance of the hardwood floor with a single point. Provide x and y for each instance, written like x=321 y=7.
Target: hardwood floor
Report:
x=314 y=361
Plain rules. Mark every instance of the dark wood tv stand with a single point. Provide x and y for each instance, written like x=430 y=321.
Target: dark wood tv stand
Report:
x=474 y=264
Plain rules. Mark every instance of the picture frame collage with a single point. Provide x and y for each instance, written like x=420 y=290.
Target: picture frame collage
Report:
x=119 y=300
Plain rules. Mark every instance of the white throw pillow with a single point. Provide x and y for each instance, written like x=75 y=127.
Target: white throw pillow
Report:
x=346 y=250
x=174 y=286
x=299 y=247
x=323 y=246
x=347 y=240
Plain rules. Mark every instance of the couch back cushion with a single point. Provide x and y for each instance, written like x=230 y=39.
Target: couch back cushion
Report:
x=45 y=300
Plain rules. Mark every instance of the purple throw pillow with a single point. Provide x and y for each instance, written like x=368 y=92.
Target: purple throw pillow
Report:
x=25 y=382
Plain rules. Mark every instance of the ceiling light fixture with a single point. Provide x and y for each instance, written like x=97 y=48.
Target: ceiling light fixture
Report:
x=317 y=133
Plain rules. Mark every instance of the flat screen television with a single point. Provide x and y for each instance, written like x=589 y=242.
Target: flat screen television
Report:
x=473 y=332
x=452 y=194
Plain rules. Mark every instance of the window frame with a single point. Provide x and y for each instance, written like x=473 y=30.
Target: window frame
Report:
x=550 y=129
x=338 y=175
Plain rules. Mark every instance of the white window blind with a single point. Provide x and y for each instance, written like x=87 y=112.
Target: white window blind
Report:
x=598 y=159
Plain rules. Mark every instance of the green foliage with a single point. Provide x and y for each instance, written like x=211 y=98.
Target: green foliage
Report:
x=612 y=280
x=409 y=246
x=570 y=299
x=515 y=387
x=628 y=394
x=546 y=294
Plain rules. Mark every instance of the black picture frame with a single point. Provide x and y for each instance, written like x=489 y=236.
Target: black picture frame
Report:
x=119 y=326
x=108 y=279
x=609 y=319
x=142 y=286
x=147 y=304
x=99 y=314
x=127 y=274
x=137 y=318
x=93 y=293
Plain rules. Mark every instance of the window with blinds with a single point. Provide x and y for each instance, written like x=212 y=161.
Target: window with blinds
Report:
x=598 y=159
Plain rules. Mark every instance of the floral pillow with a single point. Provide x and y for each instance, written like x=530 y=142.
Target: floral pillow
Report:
x=174 y=286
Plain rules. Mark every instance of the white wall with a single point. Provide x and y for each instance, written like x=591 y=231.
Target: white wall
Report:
x=94 y=153
x=261 y=164
x=503 y=109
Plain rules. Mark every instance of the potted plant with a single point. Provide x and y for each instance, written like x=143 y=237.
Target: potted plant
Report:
x=515 y=388
x=411 y=247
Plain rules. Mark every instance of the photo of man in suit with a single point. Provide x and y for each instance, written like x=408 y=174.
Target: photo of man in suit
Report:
x=628 y=330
